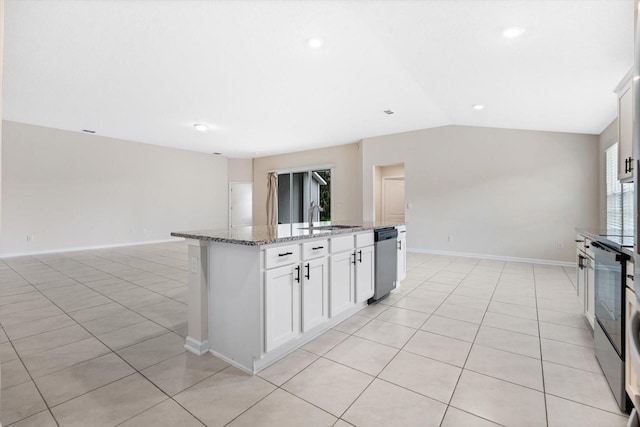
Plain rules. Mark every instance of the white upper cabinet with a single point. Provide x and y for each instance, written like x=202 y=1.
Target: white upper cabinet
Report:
x=626 y=158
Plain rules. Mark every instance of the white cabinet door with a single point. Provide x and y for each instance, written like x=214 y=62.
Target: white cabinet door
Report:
x=364 y=273
x=281 y=305
x=631 y=379
x=625 y=134
x=589 y=295
x=582 y=277
x=315 y=293
x=341 y=282
x=402 y=254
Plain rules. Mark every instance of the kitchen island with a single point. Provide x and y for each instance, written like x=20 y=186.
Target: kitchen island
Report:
x=257 y=293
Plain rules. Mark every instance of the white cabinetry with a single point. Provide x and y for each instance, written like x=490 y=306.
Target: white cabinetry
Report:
x=281 y=305
x=365 y=265
x=402 y=253
x=315 y=293
x=258 y=303
x=631 y=378
x=341 y=281
x=625 y=129
x=585 y=267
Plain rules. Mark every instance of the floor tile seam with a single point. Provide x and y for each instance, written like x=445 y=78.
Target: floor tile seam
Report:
x=147 y=340
x=290 y=393
x=413 y=391
x=400 y=324
x=34 y=384
x=33 y=335
x=562 y=365
x=359 y=337
x=466 y=411
x=510 y=330
x=506 y=351
x=32 y=415
x=29 y=354
x=357 y=369
x=192 y=385
x=566 y=326
x=90 y=391
x=159 y=403
x=99 y=340
x=565 y=342
x=504 y=380
x=18 y=302
x=471 y=348
x=586 y=404
x=544 y=385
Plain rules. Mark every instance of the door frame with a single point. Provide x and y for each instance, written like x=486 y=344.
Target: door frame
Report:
x=229 y=213
x=382 y=208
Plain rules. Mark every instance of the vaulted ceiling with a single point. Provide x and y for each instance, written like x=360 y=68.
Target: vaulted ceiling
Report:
x=148 y=71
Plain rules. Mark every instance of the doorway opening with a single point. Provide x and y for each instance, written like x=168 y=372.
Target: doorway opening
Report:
x=389 y=193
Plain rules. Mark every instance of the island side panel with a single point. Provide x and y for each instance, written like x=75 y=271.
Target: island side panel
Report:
x=198 y=317
x=235 y=326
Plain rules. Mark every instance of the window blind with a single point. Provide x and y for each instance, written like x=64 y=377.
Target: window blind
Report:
x=614 y=191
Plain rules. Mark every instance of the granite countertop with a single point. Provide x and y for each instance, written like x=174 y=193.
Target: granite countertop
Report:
x=269 y=234
x=614 y=240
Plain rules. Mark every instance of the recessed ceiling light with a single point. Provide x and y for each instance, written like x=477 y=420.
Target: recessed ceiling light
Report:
x=478 y=107
x=513 y=32
x=200 y=127
x=389 y=112
x=315 y=42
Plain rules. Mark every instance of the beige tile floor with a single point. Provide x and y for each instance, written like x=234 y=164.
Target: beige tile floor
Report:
x=95 y=338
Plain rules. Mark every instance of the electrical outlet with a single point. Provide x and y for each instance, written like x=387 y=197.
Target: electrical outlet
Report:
x=194 y=264
x=29 y=237
x=450 y=238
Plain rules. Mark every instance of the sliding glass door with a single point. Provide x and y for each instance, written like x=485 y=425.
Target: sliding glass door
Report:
x=296 y=191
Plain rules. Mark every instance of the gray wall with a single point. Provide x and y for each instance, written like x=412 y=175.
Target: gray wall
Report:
x=498 y=192
x=71 y=190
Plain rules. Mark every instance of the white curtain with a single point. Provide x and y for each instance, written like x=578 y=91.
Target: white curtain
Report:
x=272 y=198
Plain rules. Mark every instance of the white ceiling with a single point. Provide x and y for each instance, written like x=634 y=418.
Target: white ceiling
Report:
x=148 y=70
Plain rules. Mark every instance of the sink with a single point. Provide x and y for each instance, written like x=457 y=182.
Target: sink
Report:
x=329 y=227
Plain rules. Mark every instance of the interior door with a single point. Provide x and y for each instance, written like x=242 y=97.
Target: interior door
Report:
x=393 y=200
x=240 y=204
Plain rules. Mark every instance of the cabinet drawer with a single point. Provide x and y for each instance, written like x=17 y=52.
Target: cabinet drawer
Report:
x=315 y=249
x=341 y=244
x=364 y=239
x=282 y=255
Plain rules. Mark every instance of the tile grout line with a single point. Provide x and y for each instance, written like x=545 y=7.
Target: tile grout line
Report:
x=471 y=348
x=544 y=388
x=112 y=352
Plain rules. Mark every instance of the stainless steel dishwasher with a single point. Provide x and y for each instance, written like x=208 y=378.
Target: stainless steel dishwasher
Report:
x=386 y=258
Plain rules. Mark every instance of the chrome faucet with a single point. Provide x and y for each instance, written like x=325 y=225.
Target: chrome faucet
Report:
x=312 y=208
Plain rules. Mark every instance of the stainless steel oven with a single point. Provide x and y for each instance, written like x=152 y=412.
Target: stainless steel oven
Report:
x=609 y=330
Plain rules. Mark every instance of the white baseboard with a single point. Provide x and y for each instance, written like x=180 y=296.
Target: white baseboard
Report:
x=195 y=346
x=88 y=248
x=494 y=257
